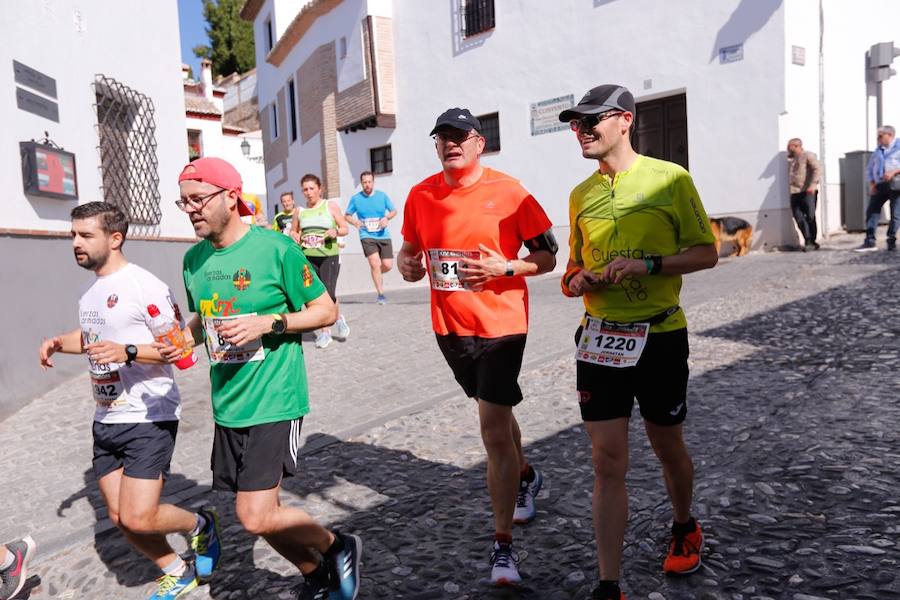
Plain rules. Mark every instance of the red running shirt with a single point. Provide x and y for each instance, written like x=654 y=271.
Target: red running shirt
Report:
x=447 y=223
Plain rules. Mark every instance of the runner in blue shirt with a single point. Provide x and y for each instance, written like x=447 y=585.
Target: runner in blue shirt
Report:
x=369 y=211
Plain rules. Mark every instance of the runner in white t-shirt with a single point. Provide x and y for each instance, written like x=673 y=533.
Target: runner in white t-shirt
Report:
x=138 y=405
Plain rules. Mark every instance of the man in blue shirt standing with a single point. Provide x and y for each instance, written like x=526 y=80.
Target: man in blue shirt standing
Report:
x=369 y=211
x=883 y=165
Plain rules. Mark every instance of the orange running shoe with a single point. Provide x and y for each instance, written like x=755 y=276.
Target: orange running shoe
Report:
x=684 y=552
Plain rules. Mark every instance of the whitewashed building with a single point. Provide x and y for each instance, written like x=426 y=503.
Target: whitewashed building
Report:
x=721 y=85
x=109 y=93
x=212 y=132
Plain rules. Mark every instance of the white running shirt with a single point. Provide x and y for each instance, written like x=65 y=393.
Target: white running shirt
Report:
x=114 y=308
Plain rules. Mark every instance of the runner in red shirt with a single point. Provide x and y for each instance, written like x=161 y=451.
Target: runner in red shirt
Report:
x=468 y=223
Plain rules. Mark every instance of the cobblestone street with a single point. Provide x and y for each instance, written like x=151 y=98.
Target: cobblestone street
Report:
x=793 y=424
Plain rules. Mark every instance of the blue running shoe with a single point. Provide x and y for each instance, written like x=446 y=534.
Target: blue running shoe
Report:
x=344 y=567
x=169 y=587
x=206 y=545
x=381 y=300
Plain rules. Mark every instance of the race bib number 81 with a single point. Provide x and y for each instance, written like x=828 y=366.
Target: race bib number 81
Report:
x=609 y=344
x=445 y=268
x=221 y=351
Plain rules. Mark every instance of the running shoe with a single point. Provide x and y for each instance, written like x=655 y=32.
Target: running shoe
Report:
x=891 y=246
x=344 y=567
x=504 y=569
x=314 y=588
x=323 y=339
x=866 y=247
x=684 y=552
x=343 y=330
x=381 y=300
x=599 y=595
x=525 y=501
x=13 y=578
x=206 y=545
x=169 y=587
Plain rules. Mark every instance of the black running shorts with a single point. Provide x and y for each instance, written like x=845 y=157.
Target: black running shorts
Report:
x=658 y=381
x=382 y=247
x=327 y=269
x=486 y=368
x=254 y=458
x=143 y=449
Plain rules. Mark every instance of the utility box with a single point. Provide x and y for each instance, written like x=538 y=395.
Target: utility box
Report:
x=854 y=190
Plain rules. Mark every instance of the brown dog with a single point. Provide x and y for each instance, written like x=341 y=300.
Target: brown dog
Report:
x=734 y=230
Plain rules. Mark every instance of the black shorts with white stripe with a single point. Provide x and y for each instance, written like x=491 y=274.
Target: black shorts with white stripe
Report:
x=250 y=459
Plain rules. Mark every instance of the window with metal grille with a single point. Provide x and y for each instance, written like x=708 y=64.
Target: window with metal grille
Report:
x=381 y=159
x=490 y=129
x=128 y=162
x=477 y=16
x=292 y=102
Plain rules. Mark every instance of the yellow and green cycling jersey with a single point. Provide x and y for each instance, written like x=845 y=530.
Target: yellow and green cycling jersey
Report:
x=652 y=208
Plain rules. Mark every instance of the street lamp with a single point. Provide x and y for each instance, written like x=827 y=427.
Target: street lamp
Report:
x=245 y=148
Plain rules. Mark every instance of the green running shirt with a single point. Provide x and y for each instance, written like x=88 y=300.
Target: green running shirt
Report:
x=262 y=273
x=652 y=208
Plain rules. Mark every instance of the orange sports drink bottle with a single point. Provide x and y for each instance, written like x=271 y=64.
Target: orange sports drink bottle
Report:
x=166 y=330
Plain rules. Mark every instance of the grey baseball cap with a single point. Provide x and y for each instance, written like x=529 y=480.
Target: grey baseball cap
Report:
x=600 y=99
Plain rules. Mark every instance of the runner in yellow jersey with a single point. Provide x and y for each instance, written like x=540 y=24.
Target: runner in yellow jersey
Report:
x=637 y=225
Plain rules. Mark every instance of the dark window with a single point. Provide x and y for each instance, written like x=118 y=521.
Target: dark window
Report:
x=292 y=102
x=477 y=16
x=195 y=144
x=275 y=131
x=381 y=159
x=270 y=39
x=490 y=129
x=661 y=129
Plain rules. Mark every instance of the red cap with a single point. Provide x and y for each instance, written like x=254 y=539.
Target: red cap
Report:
x=216 y=171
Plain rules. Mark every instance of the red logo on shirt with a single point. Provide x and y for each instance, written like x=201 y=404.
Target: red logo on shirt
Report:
x=241 y=279
x=111 y=301
x=584 y=397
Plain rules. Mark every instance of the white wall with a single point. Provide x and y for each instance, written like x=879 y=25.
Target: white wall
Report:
x=71 y=42
x=544 y=50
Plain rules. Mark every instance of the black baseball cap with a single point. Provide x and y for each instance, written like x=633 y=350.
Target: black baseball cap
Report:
x=599 y=100
x=458 y=118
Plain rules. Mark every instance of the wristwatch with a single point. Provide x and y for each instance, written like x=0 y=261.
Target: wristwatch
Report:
x=131 y=352
x=279 y=325
x=509 y=269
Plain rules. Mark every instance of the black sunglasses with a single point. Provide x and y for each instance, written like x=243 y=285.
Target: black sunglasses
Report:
x=591 y=121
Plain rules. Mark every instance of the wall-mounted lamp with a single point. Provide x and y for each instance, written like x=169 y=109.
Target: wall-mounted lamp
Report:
x=245 y=148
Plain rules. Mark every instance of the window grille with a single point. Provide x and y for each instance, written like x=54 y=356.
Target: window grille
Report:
x=381 y=160
x=477 y=16
x=490 y=129
x=128 y=162
x=292 y=106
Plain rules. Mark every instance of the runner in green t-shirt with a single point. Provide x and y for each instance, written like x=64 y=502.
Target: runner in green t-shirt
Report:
x=283 y=220
x=636 y=225
x=255 y=293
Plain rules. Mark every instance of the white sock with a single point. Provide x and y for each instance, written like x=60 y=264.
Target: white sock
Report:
x=8 y=561
x=176 y=567
x=201 y=523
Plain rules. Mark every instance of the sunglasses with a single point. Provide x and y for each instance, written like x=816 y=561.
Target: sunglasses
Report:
x=588 y=122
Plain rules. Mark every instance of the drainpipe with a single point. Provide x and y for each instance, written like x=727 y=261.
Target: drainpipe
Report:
x=823 y=185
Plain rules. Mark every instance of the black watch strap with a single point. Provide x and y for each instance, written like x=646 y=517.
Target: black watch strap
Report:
x=131 y=353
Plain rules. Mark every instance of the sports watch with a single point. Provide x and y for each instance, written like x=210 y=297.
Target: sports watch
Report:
x=131 y=353
x=509 y=269
x=279 y=325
